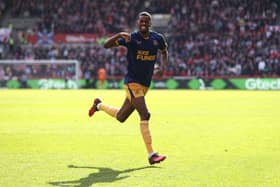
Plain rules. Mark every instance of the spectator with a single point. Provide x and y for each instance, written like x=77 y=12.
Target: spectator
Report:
x=206 y=37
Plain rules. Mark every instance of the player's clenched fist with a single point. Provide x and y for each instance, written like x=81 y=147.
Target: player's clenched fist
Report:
x=125 y=36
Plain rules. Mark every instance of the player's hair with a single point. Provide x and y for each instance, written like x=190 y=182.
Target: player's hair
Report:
x=145 y=14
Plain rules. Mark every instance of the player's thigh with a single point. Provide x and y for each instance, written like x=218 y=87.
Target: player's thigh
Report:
x=135 y=93
x=125 y=111
x=140 y=105
x=135 y=90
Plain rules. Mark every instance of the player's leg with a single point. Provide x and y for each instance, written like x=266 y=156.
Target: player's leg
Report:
x=99 y=105
x=125 y=111
x=138 y=100
x=120 y=114
x=140 y=105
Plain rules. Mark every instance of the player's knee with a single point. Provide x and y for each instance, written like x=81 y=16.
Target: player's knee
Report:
x=121 y=118
x=145 y=116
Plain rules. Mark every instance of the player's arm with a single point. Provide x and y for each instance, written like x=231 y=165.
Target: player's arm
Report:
x=113 y=40
x=164 y=59
x=158 y=71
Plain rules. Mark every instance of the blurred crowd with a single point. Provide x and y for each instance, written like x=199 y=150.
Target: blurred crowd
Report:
x=224 y=38
x=2 y=8
x=80 y=16
x=91 y=58
x=206 y=38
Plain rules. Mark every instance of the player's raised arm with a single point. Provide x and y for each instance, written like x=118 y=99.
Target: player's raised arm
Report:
x=113 y=40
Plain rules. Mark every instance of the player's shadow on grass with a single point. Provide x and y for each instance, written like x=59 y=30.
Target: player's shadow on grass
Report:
x=104 y=175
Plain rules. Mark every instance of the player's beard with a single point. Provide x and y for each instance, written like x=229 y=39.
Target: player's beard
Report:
x=144 y=30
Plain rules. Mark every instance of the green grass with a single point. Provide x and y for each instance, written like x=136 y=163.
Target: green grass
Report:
x=211 y=138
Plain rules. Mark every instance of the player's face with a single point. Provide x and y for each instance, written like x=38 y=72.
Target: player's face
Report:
x=144 y=23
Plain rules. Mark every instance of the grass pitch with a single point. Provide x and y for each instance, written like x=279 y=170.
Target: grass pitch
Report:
x=211 y=138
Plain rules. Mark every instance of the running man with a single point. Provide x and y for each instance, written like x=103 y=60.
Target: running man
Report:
x=142 y=48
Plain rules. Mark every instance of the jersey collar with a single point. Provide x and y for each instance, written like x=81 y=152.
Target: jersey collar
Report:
x=145 y=38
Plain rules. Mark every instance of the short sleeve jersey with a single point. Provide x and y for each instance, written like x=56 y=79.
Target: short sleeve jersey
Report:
x=142 y=56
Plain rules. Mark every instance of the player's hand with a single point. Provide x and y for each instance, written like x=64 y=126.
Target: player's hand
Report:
x=125 y=36
x=158 y=73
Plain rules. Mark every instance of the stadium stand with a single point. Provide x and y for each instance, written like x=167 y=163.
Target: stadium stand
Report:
x=207 y=38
